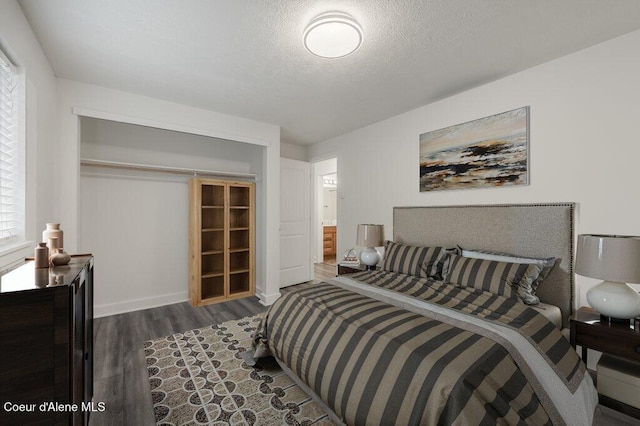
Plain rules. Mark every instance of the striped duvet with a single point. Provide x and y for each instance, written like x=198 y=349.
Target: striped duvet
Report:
x=375 y=361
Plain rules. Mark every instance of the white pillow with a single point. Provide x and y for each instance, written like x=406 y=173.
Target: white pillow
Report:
x=504 y=257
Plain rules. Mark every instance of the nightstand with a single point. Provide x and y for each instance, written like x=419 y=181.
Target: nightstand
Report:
x=350 y=269
x=622 y=340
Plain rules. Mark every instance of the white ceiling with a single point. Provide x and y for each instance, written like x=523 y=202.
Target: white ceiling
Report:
x=245 y=57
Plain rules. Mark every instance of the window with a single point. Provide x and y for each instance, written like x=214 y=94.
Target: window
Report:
x=11 y=156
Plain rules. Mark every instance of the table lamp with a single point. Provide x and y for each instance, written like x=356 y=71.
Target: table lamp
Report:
x=616 y=260
x=369 y=237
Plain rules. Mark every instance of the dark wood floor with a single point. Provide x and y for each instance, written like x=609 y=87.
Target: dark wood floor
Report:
x=120 y=374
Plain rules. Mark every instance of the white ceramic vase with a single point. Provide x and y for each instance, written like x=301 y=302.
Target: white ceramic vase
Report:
x=53 y=231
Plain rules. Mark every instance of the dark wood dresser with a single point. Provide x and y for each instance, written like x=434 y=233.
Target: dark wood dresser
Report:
x=46 y=344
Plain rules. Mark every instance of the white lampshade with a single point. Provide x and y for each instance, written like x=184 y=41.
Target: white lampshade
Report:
x=332 y=35
x=616 y=260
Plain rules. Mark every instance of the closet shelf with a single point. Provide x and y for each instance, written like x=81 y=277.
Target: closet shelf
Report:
x=213 y=274
x=238 y=250
x=164 y=169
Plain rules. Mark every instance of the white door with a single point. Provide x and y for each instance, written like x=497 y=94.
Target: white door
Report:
x=295 y=261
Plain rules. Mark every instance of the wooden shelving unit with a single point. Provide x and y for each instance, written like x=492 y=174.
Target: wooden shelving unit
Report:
x=221 y=240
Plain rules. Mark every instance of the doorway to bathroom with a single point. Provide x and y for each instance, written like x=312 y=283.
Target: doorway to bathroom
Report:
x=325 y=219
x=329 y=218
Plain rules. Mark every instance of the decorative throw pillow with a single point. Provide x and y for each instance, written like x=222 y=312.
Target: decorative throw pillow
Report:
x=501 y=278
x=527 y=294
x=413 y=260
x=442 y=263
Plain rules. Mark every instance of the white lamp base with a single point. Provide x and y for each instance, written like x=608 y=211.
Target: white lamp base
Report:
x=369 y=256
x=614 y=299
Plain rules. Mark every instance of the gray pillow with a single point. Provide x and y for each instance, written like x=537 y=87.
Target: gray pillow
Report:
x=413 y=260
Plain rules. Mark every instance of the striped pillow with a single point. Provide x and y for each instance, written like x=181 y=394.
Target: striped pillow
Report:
x=412 y=260
x=501 y=278
x=527 y=294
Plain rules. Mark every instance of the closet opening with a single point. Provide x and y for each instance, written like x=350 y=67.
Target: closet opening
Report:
x=134 y=211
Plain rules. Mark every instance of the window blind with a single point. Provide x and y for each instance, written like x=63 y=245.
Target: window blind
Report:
x=10 y=215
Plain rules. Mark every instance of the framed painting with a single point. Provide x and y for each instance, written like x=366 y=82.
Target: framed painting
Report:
x=488 y=152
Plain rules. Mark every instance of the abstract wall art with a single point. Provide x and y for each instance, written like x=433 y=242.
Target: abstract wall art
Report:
x=488 y=152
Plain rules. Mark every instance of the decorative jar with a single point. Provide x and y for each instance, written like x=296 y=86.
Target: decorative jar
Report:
x=41 y=256
x=60 y=257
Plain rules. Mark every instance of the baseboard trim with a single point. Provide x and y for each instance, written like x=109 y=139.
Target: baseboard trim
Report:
x=138 y=304
x=268 y=299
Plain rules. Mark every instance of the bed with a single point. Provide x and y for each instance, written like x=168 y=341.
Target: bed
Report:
x=440 y=337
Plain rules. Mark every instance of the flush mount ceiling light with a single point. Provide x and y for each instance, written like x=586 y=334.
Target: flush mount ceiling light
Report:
x=332 y=35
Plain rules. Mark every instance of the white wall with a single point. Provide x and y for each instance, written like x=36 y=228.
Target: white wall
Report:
x=80 y=99
x=293 y=152
x=136 y=223
x=137 y=229
x=329 y=205
x=22 y=47
x=584 y=146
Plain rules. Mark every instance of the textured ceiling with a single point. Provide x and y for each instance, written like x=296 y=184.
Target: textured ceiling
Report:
x=245 y=57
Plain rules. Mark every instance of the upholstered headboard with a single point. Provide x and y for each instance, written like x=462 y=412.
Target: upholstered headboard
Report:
x=535 y=230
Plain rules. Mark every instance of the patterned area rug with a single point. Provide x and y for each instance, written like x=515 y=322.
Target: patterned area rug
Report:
x=198 y=377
